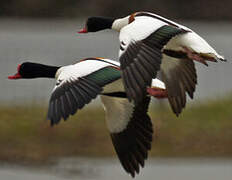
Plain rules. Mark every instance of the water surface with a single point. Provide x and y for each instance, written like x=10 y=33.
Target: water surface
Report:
x=105 y=169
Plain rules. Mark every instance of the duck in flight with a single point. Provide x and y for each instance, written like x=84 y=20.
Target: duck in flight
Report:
x=76 y=85
x=152 y=45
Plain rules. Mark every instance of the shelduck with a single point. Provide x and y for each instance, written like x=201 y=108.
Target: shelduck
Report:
x=76 y=85
x=151 y=44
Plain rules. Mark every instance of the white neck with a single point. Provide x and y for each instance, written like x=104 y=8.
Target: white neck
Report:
x=58 y=72
x=118 y=24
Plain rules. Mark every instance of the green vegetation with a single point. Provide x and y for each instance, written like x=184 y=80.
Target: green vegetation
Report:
x=26 y=135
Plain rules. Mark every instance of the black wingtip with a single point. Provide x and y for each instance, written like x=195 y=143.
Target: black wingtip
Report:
x=52 y=122
x=191 y=95
x=132 y=174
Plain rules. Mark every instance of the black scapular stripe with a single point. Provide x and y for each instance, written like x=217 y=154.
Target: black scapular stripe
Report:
x=175 y=54
x=116 y=94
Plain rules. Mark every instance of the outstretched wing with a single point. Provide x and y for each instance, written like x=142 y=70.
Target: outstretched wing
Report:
x=141 y=60
x=179 y=76
x=73 y=92
x=130 y=130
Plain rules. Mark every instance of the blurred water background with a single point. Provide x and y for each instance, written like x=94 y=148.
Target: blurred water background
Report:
x=56 y=42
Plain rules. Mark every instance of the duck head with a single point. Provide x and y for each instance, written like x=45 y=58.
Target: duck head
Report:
x=94 y=24
x=29 y=70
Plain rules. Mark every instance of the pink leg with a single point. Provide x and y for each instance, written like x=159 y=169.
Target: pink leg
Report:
x=157 y=92
x=202 y=58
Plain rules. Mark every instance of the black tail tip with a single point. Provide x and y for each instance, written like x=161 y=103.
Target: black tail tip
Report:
x=222 y=59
